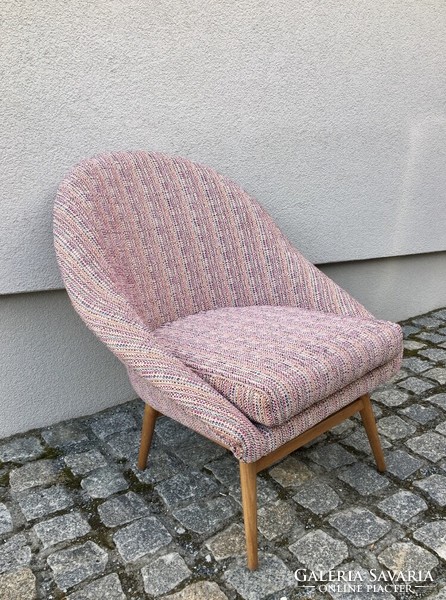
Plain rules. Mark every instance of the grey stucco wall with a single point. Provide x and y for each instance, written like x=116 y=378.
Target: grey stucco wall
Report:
x=53 y=368
x=331 y=113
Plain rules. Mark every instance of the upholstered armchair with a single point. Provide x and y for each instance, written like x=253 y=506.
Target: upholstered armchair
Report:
x=221 y=323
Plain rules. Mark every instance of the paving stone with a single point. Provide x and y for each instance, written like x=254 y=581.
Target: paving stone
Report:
x=109 y=424
x=363 y=479
x=359 y=440
x=171 y=432
x=435 y=487
x=419 y=413
x=18 y=585
x=36 y=503
x=20 y=450
x=122 y=509
x=402 y=464
x=291 y=472
x=434 y=354
x=431 y=445
x=435 y=338
x=331 y=456
x=126 y=445
x=185 y=487
x=142 y=537
x=409 y=330
x=164 y=574
x=395 y=428
x=427 y=322
x=343 y=427
x=107 y=588
x=5 y=519
x=226 y=470
x=405 y=557
x=104 y=482
x=319 y=552
x=433 y=535
x=229 y=542
x=207 y=517
x=271 y=576
x=83 y=462
x=73 y=565
x=440 y=314
x=318 y=497
x=277 y=519
x=438 y=374
x=441 y=428
x=61 y=529
x=197 y=452
x=413 y=345
x=402 y=506
x=365 y=588
x=202 y=590
x=266 y=493
x=159 y=467
x=360 y=526
x=14 y=553
x=438 y=400
x=415 y=385
x=40 y=472
x=64 y=435
x=416 y=365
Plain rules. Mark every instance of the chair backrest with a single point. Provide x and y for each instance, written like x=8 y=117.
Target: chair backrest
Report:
x=175 y=237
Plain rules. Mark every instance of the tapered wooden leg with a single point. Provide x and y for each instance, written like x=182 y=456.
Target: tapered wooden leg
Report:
x=248 y=482
x=148 y=425
x=368 y=418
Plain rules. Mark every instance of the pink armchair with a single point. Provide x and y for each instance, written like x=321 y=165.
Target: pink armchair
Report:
x=220 y=322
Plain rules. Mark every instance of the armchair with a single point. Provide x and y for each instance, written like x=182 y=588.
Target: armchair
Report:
x=221 y=323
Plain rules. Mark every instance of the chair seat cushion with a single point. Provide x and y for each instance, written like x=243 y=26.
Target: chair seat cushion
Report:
x=274 y=362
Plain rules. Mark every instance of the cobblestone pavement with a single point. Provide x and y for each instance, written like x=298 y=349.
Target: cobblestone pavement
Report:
x=78 y=520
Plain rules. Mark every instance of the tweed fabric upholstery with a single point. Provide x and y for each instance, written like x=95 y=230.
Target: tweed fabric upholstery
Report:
x=273 y=362
x=143 y=239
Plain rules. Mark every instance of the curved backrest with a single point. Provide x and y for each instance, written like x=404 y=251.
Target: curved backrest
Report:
x=174 y=237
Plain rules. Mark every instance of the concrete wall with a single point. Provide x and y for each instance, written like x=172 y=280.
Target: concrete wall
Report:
x=56 y=369
x=331 y=113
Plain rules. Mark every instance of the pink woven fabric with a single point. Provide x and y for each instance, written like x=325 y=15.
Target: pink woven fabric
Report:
x=273 y=362
x=143 y=239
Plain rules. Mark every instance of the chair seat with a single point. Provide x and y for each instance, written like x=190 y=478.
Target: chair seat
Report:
x=274 y=362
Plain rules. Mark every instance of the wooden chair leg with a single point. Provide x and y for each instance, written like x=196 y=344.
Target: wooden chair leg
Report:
x=368 y=418
x=248 y=482
x=148 y=426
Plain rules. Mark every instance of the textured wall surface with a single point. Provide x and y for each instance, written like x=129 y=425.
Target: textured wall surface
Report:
x=331 y=113
x=56 y=369
x=52 y=367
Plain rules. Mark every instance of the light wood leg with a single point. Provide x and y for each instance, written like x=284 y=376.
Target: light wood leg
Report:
x=148 y=426
x=248 y=482
x=368 y=418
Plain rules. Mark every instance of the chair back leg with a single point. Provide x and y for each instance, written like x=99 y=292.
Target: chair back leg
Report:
x=248 y=483
x=148 y=426
x=368 y=418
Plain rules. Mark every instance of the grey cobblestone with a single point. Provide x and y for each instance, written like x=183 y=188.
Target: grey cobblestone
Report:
x=106 y=588
x=164 y=574
x=122 y=509
x=41 y=472
x=142 y=537
x=61 y=529
x=360 y=526
x=37 y=503
x=104 y=482
x=76 y=564
x=71 y=494
x=402 y=506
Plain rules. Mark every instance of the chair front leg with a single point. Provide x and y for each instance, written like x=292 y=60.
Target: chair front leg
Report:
x=368 y=418
x=148 y=426
x=248 y=483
